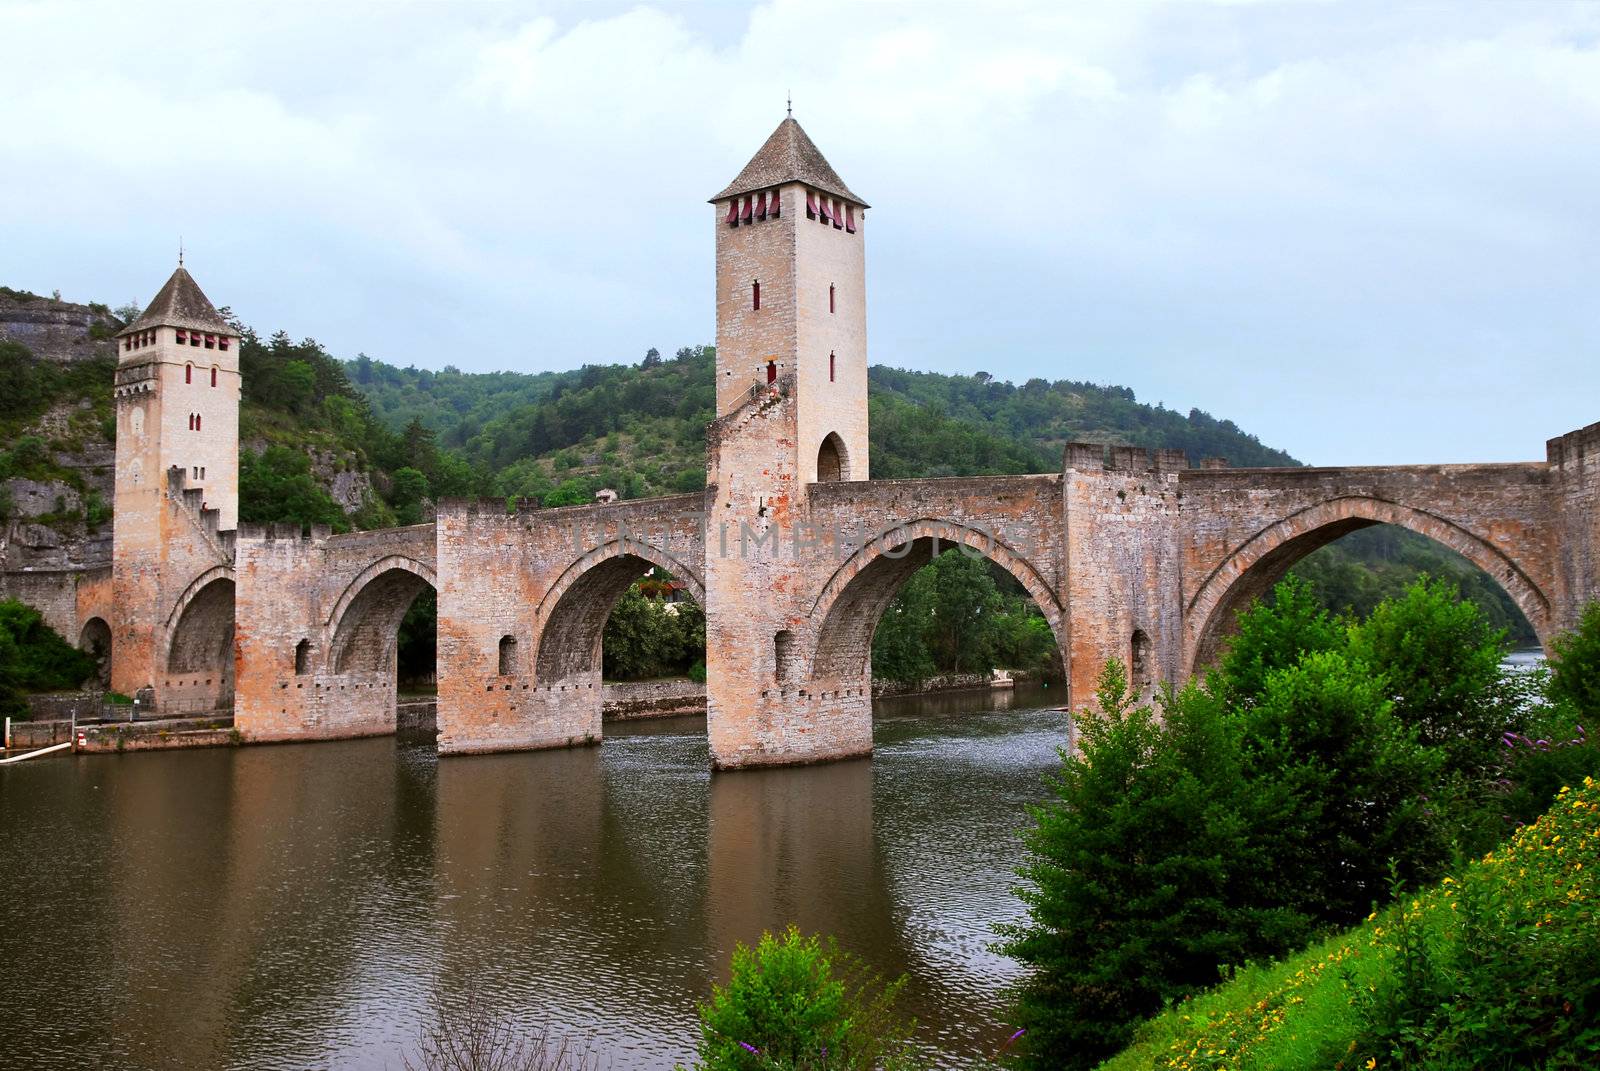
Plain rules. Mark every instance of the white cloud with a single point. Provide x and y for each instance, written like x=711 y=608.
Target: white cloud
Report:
x=1365 y=233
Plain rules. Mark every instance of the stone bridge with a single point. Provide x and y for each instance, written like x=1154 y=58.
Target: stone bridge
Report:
x=792 y=550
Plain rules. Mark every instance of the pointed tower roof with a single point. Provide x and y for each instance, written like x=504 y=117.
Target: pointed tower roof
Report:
x=789 y=156
x=180 y=303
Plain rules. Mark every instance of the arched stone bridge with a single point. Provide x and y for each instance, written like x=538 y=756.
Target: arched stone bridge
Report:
x=1128 y=554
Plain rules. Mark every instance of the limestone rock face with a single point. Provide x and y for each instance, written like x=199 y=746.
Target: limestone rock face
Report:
x=58 y=330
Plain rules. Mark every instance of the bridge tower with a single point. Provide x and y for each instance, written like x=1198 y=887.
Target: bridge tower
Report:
x=177 y=480
x=791 y=300
x=791 y=413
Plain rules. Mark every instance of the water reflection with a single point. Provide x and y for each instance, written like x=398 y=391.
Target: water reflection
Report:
x=295 y=906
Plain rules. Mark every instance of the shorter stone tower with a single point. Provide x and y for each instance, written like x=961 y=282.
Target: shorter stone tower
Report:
x=177 y=469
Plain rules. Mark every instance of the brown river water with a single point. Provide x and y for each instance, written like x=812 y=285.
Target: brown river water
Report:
x=303 y=906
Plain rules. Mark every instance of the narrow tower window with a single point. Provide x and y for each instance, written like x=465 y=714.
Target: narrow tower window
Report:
x=197 y=422
x=508 y=655
x=831 y=362
x=188 y=373
x=755 y=294
x=830 y=298
x=1139 y=658
x=783 y=651
x=302 y=658
x=213 y=375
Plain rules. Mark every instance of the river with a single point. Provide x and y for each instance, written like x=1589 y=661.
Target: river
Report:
x=305 y=906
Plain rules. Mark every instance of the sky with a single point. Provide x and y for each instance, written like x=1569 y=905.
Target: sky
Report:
x=1365 y=233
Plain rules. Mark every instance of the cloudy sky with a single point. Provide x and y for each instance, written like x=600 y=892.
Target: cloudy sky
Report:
x=1366 y=233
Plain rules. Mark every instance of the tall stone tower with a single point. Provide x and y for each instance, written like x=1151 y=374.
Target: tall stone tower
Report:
x=791 y=416
x=177 y=469
x=791 y=299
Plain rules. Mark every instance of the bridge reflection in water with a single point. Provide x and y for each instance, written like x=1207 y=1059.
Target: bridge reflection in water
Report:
x=297 y=905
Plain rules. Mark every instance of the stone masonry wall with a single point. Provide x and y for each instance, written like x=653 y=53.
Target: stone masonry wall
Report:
x=318 y=589
x=544 y=580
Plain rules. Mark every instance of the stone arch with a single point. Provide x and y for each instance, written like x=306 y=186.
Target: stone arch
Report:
x=855 y=597
x=95 y=639
x=367 y=615
x=571 y=618
x=1253 y=567
x=200 y=627
x=833 y=460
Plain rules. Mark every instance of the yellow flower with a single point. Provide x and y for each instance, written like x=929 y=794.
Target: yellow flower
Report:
x=1372 y=1061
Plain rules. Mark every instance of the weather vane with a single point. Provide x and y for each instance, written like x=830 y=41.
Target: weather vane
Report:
x=789 y=103
x=180 y=250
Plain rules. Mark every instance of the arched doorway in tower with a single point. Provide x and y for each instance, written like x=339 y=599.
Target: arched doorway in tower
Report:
x=95 y=639
x=924 y=614
x=384 y=645
x=1355 y=562
x=199 y=675
x=832 y=460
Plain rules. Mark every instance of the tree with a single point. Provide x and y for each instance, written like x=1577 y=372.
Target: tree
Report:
x=34 y=658
x=407 y=493
x=1575 y=665
x=276 y=486
x=800 y=1002
x=1440 y=661
x=652 y=358
x=1275 y=635
x=1134 y=875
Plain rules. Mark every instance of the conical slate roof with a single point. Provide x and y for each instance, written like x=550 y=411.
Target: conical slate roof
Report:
x=180 y=304
x=789 y=156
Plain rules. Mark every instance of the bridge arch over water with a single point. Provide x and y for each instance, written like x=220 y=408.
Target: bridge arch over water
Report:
x=1251 y=569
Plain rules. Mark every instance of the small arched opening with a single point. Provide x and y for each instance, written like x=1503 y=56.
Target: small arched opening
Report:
x=95 y=640
x=302 y=658
x=508 y=655
x=1140 y=669
x=832 y=460
x=785 y=657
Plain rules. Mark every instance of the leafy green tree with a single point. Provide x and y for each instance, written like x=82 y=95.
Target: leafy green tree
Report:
x=34 y=658
x=299 y=383
x=1440 y=661
x=797 y=1002
x=569 y=492
x=1348 y=783
x=1575 y=665
x=1274 y=635
x=1135 y=875
x=899 y=646
x=276 y=486
x=409 y=489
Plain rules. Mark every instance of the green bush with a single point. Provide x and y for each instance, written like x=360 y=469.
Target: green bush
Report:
x=34 y=658
x=796 y=1002
x=1575 y=665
